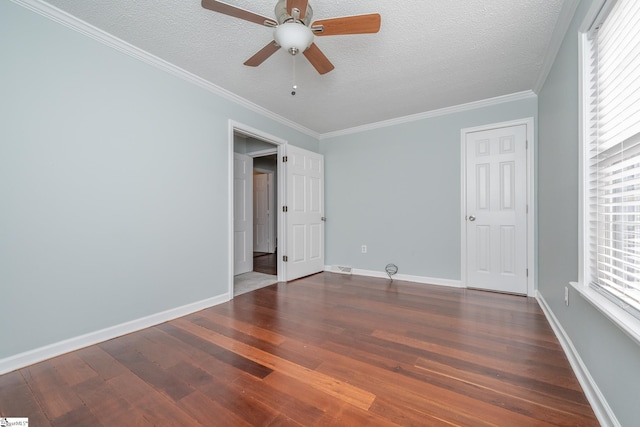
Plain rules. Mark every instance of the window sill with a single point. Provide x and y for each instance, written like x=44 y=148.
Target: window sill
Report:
x=625 y=321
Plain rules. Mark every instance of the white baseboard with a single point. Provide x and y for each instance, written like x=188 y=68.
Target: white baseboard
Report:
x=56 y=349
x=405 y=277
x=601 y=408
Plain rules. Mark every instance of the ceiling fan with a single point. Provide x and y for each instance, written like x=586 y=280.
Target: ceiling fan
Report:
x=295 y=32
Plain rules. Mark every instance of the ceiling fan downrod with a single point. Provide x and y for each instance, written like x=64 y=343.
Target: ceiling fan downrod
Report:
x=295 y=15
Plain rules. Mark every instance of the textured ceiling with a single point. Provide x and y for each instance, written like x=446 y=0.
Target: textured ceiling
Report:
x=429 y=54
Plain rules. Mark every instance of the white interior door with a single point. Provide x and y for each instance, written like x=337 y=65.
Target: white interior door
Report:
x=496 y=202
x=242 y=213
x=261 y=222
x=305 y=212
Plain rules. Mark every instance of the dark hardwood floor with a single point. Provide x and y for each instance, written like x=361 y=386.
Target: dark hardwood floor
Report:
x=324 y=350
x=266 y=263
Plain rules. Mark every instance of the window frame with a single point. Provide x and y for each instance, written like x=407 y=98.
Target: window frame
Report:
x=606 y=305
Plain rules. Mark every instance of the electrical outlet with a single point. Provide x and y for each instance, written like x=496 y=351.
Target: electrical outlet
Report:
x=566 y=296
x=364 y=249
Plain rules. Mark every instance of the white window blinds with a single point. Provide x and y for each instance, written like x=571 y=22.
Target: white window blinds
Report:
x=614 y=155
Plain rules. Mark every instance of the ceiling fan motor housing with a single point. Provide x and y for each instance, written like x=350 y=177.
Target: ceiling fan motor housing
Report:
x=282 y=16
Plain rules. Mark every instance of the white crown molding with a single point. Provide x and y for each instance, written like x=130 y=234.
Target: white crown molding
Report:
x=557 y=37
x=30 y=357
x=528 y=94
x=601 y=408
x=404 y=277
x=51 y=12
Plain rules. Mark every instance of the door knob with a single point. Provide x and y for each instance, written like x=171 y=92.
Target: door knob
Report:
x=323 y=219
x=472 y=218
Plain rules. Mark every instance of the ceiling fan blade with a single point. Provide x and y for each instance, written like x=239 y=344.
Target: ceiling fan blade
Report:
x=320 y=62
x=236 y=12
x=359 y=24
x=301 y=5
x=262 y=55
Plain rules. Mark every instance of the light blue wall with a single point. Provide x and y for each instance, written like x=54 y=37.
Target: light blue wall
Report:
x=397 y=190
x=113 y=185
x=610 y=356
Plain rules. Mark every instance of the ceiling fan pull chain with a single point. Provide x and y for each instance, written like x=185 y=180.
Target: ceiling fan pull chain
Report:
x=294 y=87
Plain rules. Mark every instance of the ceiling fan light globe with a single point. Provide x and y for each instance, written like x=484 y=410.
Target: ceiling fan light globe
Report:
x=293 y=37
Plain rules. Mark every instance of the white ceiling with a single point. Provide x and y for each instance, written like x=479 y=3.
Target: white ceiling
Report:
x=429 y=54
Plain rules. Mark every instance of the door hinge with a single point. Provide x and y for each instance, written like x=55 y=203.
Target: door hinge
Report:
x=285 y=209
x=285 y=258
x=527 y=209
x=527 y=272
x=285 y=159
x=526 y=144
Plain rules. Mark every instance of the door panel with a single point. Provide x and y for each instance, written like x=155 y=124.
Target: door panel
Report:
x=298 y=238
x=242 y=213
x=507 y=249
x=305 y=202
x=496 y=225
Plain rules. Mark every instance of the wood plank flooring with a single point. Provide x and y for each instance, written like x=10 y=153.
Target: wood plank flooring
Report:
x=266 y=263
x=320 y=351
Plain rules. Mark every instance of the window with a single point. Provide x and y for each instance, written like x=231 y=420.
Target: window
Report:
x=611 y=55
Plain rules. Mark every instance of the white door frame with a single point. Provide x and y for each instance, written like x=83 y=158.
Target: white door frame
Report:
x=263 y=153
x=271 y=206
x=531 y=208
x=272 y=202
x=280 y=144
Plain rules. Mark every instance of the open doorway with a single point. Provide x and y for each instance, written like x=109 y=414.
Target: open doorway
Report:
x=300 y=193
x=255 y=212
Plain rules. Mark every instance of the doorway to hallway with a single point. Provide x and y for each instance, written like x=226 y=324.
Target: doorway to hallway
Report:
x=255 y=215
x=299 y=209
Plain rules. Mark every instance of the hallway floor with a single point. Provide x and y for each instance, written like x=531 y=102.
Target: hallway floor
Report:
x=265 y=273
x=247 y=282
x=265 y=263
